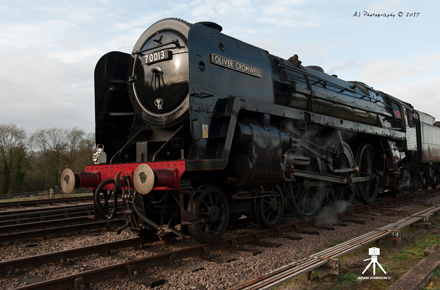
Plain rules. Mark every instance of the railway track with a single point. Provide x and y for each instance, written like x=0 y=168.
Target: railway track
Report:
x=7 y=268
x=32 y=224
x=69 y=227
x=54 y=224
x=130 y=268
x=23 y=211
x=330 y=255
x=39 y=202
x=19 y=217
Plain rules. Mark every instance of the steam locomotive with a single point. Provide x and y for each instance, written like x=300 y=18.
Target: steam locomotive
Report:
x=196 y=129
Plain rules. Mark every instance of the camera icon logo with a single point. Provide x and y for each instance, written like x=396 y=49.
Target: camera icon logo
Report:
x=373 y=252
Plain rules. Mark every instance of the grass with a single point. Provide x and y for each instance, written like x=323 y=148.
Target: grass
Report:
x=434 y=282
x=347 y=278
x=414 y=252
x=396 y=259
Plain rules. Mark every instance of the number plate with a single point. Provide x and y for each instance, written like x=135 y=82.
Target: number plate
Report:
x=156 y=56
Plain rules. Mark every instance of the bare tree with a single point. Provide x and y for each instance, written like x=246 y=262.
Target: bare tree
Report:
x=50 y=145
x=83 y=153
x=35 y=163
x=13 y=162
x=75 y=138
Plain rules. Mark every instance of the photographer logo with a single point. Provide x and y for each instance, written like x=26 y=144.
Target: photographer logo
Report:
x=374 y=253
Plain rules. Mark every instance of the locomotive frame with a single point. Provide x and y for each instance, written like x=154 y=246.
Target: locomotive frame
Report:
x=202 y=128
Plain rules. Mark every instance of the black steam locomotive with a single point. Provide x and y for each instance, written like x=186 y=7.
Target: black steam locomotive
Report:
x=196 y=129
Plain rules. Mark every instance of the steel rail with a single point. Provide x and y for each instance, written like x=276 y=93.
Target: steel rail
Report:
x=160 y=259
x=199 y=250
x=93 y=225
x=44 y=216
x=288 y=272
x=32 y=210
x=37 y=202
x=49 y=223
x=9 y=267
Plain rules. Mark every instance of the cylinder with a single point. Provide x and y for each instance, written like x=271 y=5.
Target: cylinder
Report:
x=164 y=177
x=242 y=134
x=70 y=180
x=145 y=178
x=87 y=179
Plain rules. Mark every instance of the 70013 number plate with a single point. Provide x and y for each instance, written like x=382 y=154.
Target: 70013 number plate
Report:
x=156 y=56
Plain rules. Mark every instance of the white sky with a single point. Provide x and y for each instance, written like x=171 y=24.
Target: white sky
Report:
x=49 y=48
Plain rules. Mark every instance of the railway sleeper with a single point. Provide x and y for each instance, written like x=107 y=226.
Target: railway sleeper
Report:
x=333 y=273
x=10 y=271
x=214 y=258
x=324 y=228
x=394 y=236
x=332 y=267
x=149 y=281
x=79 y=284
x=267 y=244
x=246 y=252
x=361 y=222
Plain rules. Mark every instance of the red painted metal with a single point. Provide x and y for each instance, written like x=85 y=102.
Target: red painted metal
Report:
x=86 y=179
x=165 y=177
x=168 y=173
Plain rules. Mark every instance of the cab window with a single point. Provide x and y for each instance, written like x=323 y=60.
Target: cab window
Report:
x=396 y=110
x=412 y=117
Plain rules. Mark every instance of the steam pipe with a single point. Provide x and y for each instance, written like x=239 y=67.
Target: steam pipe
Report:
x=115 y=203
x=150 y=222
x=123 y=228
x=141 y=215
x=98 y=191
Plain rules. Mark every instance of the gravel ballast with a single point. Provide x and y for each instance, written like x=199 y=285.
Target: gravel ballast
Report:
x=213 y=275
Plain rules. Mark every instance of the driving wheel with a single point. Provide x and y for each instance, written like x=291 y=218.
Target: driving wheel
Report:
x=269 y=209
x=342 y=195
x=212 y=212
x=367 y=163
x=304 y=196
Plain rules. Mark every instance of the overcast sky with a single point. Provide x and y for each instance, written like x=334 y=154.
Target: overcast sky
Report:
x=49 y=48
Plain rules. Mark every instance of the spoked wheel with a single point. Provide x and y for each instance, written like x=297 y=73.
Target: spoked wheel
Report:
x=269 y=210
x=212 y=209
x=343 y=195
x=367 y=163
x=304 y=196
